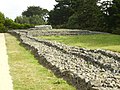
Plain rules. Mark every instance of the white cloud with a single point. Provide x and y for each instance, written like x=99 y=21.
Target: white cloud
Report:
x=13 y=8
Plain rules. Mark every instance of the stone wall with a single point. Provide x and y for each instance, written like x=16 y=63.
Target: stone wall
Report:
x=84 y=69
x=41 y=27
x=61 y=32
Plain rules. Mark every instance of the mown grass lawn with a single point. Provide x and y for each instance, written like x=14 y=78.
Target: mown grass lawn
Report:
x=101 y=41
x=26 y=73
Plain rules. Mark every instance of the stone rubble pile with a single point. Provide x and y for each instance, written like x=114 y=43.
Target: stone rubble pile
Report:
x=36 y=33
x=41 y=27
x=84 y=69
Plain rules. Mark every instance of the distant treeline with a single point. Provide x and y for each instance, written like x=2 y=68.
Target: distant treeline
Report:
x=75 y=14
x=34 y=15
x=8 y=24
x=87 y=14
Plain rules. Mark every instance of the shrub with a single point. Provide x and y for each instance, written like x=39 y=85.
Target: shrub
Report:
x=2 y=18
x=26 y=26
x=21 y=26
x=8 y=23
x=2 y=28
x=116 y=31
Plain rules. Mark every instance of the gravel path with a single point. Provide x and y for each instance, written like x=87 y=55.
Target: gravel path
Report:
x=5 y=78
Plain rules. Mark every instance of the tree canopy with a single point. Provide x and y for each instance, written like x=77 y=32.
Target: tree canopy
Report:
x=33 y=15
x=86 y=14
x=80 y=14
x=75 y=14
x=2 y=18
x=34 y=10
x=8 y=24
x=61 y=13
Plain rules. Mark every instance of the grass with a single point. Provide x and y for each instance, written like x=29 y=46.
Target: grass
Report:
x=103 y=41
x=27 y=74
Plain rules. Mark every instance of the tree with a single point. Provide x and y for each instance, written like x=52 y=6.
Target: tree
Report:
x=106 y=22
x=37 y=20
x=2 y=21
x=114 y=13
x=84 y=14
x=111 y=13
x=22 y=20
x=35 y=10
x=114 y=16
x=2 y=28
x=8 y=23
x=32 y=10
x=33 y=15
x=87 y=15
x=60 y=14
x=2 y=18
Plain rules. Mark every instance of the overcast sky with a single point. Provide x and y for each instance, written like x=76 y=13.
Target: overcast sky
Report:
x=13 y=8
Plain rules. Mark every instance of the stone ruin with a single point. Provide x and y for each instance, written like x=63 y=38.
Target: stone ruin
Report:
x=41 y=27
x=83 y=68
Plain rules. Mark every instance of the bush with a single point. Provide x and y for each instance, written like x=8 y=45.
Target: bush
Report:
x=2 y=28
x=26 y=26
x=8 y=23
x=73 y=22
x=2 y=18
x=21 y=26
x=116 y=31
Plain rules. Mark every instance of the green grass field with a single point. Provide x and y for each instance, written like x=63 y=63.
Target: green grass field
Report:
x=101 y=41
x=27 y=73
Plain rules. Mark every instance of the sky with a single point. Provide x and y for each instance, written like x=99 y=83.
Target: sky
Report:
x=13 y=8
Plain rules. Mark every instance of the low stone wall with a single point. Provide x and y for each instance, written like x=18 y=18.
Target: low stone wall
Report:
x=60 y=32
x=42 y=27
x=84 y=69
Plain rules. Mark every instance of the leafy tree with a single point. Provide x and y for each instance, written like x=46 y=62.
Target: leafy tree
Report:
x=2 y=21
x=35 y=10
x=37 y=20
x=61 y=13
x=8 y=23
x=114 y=16
x=2 y=18
x=104 y=8
x=22 y=20
x=87 y=15
x=84 y=14
x=2 y=28
x=33 y=15
x=111 y=13
x=32 y=10
x=114 y=13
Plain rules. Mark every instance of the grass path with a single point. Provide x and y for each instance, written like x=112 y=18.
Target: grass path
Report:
x=102 y=41
x=5 y=78
x=27 y=74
